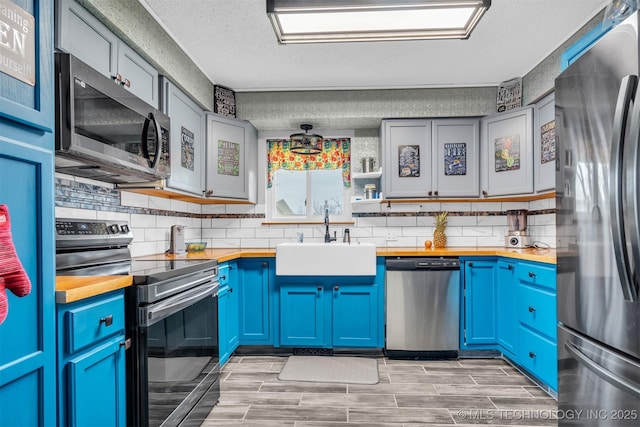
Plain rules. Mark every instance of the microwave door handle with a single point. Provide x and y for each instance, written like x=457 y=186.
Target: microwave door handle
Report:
x=625 y=97
x=632 y=162
x=145 y=140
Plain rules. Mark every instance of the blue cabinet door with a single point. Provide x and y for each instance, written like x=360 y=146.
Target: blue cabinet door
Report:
x=480 y=303
x=97 y=386
x=223 y=316
x=254 y=286
x=302 y=315
x=232 y=310
x=355 y=316
x=27 y=336
x=507 y=305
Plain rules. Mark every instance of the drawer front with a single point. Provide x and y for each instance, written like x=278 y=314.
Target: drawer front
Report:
x=537 y=274
x=537 y=309
x=90 y=323
x=539 y=356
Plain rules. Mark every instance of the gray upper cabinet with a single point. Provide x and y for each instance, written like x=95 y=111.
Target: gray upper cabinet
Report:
x=544 y=148
x=85 y=37
x=407 y=158
x=507 y=152
x=456 y=157
x=232 y=147
x=430 y=158
x=187 y=148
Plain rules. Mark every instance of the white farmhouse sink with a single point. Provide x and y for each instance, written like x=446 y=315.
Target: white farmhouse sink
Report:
x=326 y=259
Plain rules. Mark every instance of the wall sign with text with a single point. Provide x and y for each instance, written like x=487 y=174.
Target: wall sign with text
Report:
x=17 y=42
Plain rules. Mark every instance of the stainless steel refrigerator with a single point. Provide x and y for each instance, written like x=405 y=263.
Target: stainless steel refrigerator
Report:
x=598 y=232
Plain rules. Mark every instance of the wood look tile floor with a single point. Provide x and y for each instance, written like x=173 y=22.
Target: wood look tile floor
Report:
x=410 y=393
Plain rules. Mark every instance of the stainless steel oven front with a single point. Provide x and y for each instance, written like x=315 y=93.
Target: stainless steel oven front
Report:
x=172 y=368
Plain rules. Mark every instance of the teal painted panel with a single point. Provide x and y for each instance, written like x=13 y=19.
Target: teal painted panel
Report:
x=223 y=322
x=480 y=302
x=26 y=186
x=507 y=308
x=18 y=407
x=577 y=49
x=537 y=309
x=355 y=316
x=537 y=274
x=84 y=323
x=254 y=301
x=33 y=105
x=302 y=315
x=97 y=387
x=233 y=318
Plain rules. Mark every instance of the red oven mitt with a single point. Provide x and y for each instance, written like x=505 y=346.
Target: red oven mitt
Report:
x=12 y=274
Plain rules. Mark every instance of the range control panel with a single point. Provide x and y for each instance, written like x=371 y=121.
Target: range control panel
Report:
x=98 y=228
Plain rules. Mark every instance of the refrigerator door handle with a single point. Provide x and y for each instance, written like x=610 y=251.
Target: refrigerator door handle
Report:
x=620 y=383
x=632 y=175
x=625 y=97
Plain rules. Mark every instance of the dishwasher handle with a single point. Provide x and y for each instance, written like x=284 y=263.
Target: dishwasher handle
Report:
x=410 y=264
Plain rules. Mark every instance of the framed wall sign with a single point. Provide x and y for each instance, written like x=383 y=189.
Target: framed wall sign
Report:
x=509 y=95
x=224 y=101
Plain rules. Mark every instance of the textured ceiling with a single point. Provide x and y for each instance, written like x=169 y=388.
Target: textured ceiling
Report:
x=234 y=44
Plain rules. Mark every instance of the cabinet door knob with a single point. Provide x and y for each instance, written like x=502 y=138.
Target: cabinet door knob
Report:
x=126 y=83
x=430 y=193
x=126 y=344
x=117 y=77
x=230 y=290
x=435 y=192
x=510 y=267
x=484 y=193
x=532 y=309
x=265 y=264
x=532 y=274
x=108 y=320
x=336 y=288
x=223 y=277
x=532 y=354
x=470 y=264
x=319 y=287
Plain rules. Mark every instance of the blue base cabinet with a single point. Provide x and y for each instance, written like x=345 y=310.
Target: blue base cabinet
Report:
x=355 y=315
x=228 y=310
x=91 y=361
x=480 y=304
x=27 y=335
x=507 y=309
x=256 y=278
x=332 y=311
x=303 y=315
x=536 y=310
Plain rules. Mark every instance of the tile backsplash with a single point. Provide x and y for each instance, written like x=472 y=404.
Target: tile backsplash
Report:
x=243 y=226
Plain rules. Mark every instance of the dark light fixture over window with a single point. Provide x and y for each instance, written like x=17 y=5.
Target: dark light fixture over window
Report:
x=321 y=21
x=306 y=143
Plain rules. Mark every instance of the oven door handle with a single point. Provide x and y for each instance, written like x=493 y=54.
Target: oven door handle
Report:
x=155 y=312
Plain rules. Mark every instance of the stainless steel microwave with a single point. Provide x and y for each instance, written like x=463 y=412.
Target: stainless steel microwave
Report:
x=104 y=132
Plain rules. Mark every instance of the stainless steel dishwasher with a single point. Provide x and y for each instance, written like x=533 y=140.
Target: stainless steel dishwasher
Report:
x=422 y=307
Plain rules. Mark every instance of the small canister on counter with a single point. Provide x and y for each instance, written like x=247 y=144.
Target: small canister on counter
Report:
x=368 y=164
x=370 y=191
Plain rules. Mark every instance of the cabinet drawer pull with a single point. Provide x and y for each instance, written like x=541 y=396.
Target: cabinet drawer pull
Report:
x=117 y=78
x=319 y=287
x=223 y=277
x=126 y=344
x=108 y=320
x=126 y=83
x=265 y=264
x=532 y=274
x=470 y=264
x=510 y=267
x=230 y=290
x=531 y=309
x=532 y=355
x=336 y=288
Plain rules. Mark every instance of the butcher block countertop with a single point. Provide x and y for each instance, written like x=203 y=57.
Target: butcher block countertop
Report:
x=532 y=254
x=75 y=288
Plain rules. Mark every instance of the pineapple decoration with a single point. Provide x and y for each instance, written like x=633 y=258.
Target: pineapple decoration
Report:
x=439 y=238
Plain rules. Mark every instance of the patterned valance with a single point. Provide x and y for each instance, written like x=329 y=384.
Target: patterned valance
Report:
x=336 y=154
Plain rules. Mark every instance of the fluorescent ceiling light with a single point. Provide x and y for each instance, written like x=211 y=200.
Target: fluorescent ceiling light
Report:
x=315 y=21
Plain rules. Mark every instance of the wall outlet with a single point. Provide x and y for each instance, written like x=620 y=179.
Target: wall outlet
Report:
x=392 y=235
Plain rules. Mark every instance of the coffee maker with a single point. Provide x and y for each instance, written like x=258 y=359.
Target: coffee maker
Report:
x=517 y=235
